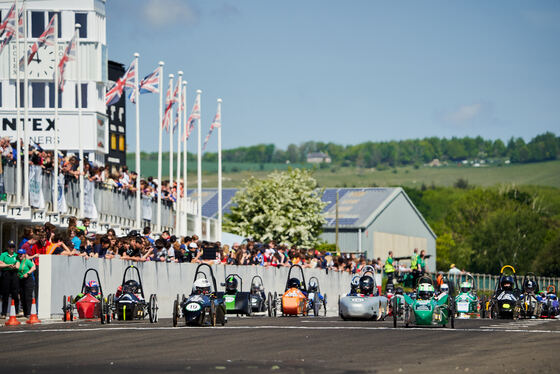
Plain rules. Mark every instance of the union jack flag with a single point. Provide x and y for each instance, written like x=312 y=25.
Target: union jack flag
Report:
x=7 y=19
x=46 y=38
x=127 y=80
x=217 y=122
x=68 y=55
x=150 y=84
x=169 y=101
x=195 y=114
x=10 y=30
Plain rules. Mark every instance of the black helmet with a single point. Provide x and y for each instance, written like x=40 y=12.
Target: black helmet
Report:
x=131 y=286
x=231 y=284
x=530 y=286
x=313 y=285
x=294 y=283
x=366 y=285
x=507 y=283
x=390 y=288
x=399 y=291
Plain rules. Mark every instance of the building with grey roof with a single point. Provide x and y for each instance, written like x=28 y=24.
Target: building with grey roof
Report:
x=371 y=221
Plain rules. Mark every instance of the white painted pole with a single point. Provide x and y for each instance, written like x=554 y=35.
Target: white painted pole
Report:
x=220 y=172
x=185 y=186
x=80 y=147
x=178 y=204
x=55 y=83
x=160 y=133
x=25 y=112
x=18 y=104
x=170 y=119
x=138 y=166
x=199 y=169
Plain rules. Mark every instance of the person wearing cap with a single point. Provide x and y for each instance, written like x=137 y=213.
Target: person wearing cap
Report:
x=10 y=282
x=193 y=254
x=25 y=268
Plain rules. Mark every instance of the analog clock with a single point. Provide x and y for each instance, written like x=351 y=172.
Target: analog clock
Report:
x=41 y=66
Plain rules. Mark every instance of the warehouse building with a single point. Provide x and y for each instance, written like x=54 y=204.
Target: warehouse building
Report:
x=371 y=221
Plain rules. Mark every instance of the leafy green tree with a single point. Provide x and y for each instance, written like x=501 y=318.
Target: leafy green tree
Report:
x=285 y=207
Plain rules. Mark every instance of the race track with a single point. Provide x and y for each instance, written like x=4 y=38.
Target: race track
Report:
x=282 y=345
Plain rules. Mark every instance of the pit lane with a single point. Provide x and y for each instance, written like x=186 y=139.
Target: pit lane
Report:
x=287 y=344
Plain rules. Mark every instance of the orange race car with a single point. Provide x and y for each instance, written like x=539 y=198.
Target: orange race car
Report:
x=294 y=301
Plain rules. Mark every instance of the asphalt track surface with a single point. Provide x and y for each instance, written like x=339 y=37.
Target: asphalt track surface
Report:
x=282 y=345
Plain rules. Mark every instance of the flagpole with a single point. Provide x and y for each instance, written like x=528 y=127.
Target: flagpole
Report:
x=179 y=134
x=199 y=170
x=220 y=172
x=55 y=83
x=185 y=186
x=138 y=168
x=170 y=124
x=160 y=132
x=25 y=113
x=80 y=147
x=18 y=104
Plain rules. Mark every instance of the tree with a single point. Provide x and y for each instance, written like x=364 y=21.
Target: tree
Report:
x=285 y=207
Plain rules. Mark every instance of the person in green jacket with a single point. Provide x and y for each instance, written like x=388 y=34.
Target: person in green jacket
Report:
x=414 y=268
x=10 y=282
x=388 y=268
x=25 y=268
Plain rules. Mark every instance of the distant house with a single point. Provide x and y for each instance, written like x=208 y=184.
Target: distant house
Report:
x=318 y=157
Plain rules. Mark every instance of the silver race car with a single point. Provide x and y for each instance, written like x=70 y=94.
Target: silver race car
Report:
x=364 y=300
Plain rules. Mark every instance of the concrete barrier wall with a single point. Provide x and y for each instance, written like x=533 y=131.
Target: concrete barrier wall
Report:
x=62 y=275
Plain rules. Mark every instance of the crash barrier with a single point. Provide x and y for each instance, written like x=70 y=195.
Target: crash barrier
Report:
x=487 y=282
x=62 y=275
x=108 y=207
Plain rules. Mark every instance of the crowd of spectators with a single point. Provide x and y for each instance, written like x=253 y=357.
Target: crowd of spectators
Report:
x=119 y=179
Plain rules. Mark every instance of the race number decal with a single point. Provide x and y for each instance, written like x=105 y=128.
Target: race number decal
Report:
x=229 y=299
x=193 y=307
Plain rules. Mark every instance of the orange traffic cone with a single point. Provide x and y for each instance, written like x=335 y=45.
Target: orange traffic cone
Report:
x=33 y=317
x=12 y=321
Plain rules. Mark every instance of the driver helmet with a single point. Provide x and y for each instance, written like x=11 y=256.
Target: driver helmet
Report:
x=231 y=284
x=294 y=283
x=507 y=283
x=201 y=286
x=466 y=287
x=425 y=291
x=390 y=288
x=366 y=285
x=444 y=288
x=530 y=286
x=355 y=283
x=255 y=287
x=131 y=286
x=92 y=287
x=399 y=291
x=313 y=286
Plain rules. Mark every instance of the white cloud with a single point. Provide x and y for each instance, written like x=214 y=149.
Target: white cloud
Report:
x=167 y=12
x=469 y=114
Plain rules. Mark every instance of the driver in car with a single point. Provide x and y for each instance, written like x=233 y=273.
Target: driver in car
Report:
x=507 y=289
x=366 y=285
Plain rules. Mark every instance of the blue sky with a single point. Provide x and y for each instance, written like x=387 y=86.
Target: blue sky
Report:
x=349 y=71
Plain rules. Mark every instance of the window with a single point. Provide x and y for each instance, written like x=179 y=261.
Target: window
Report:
x=37 y=24
x=121 y=143
x=81 y=18
x=20 y=95
x=113 y=142
x=51 y=96
x=38 y=98
x=59 y=22
x=84 y=95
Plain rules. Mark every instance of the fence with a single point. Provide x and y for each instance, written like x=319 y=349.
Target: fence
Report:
x=487 y=282
x=109 y=207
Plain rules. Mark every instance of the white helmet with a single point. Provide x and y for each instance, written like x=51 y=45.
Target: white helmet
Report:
x=201 y=286
x=444 y=287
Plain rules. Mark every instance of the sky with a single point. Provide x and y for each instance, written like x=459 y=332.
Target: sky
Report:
x=348 y=71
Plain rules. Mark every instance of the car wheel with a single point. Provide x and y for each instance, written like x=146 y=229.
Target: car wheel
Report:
x=395 y=311
x=212 y=313
x=153 y=309
x=65 y=314
x=175 y=312
x=316 y=305
x=102 y=311
x=269 y=304
x=325 y=305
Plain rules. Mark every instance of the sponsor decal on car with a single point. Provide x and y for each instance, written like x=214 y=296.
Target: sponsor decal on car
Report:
x=229 y=299
x=357 y=300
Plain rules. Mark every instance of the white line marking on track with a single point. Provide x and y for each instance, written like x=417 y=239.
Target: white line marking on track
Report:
x=485 y=330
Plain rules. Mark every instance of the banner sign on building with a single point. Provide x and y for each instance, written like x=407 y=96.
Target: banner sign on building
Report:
x=36 y=198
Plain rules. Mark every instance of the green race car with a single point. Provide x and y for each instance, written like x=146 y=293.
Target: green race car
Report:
x=423 y=308
x=467 y=302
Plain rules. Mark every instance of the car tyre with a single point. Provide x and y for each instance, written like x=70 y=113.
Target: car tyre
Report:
x=175 y=312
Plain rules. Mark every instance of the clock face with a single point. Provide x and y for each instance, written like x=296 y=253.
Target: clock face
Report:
x=42 y=64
